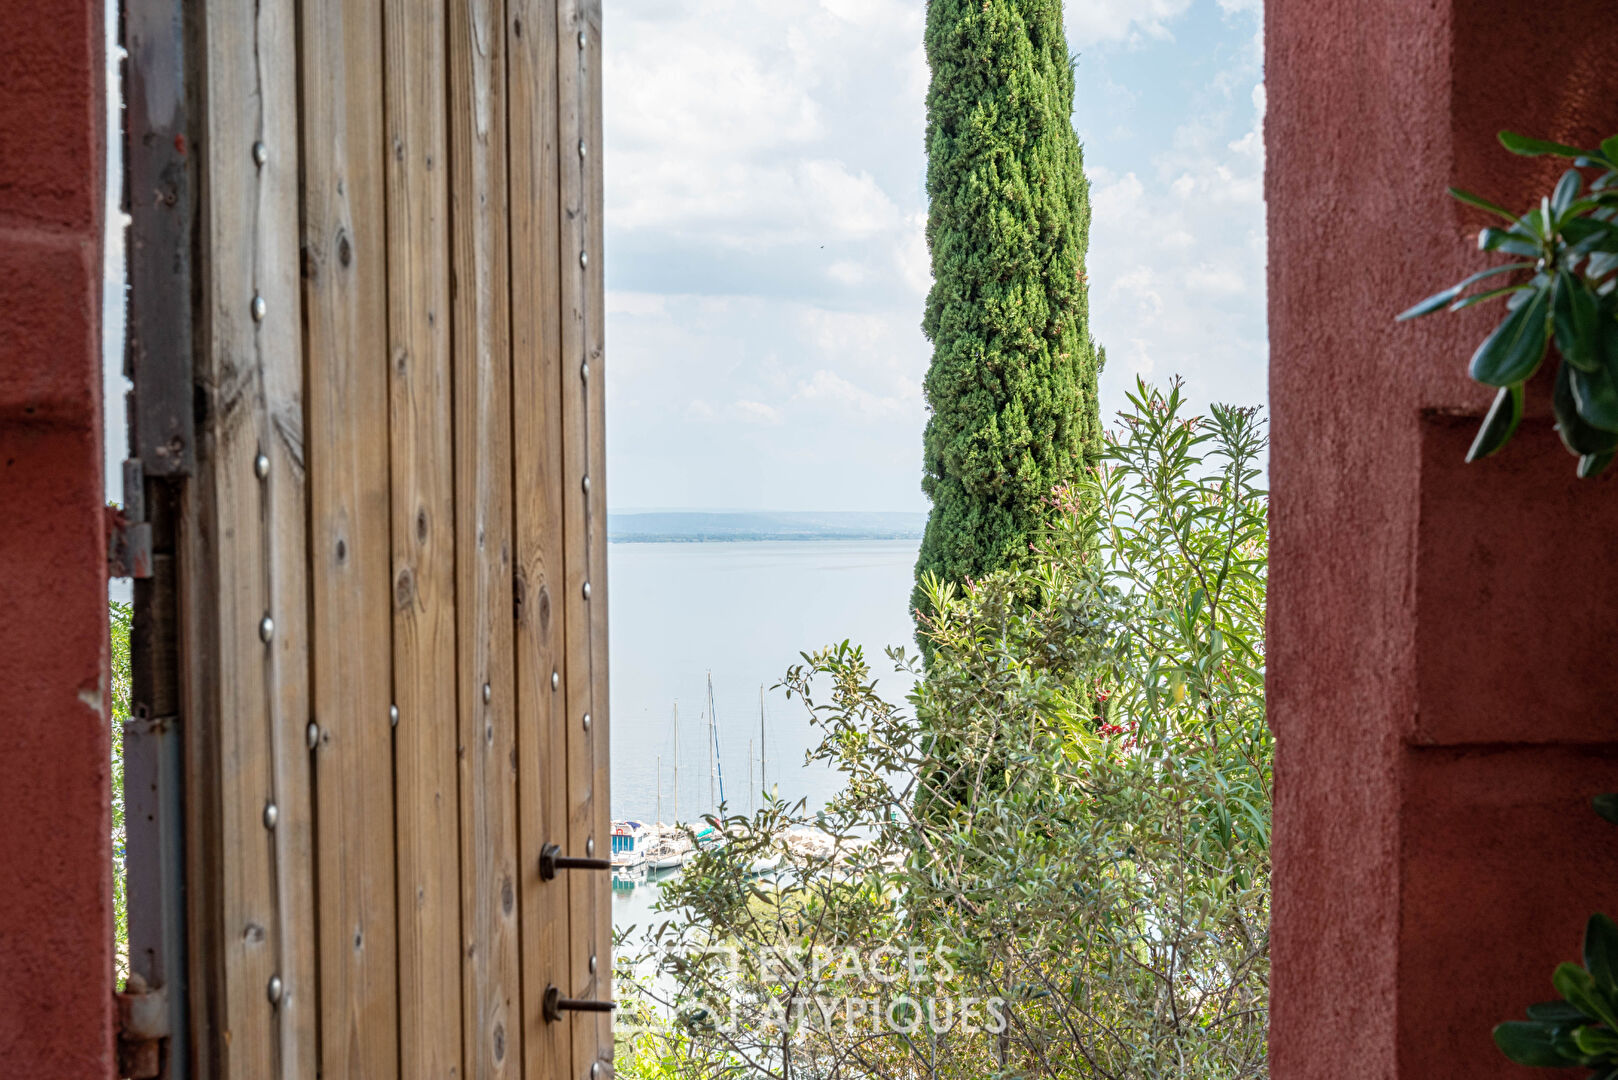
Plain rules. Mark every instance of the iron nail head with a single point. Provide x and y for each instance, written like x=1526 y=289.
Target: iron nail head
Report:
x=488 y=693
x=274 y=990
x=261 y=466
x=266 y=629
x=259 y=308
x=393 y=715
x=261 y=154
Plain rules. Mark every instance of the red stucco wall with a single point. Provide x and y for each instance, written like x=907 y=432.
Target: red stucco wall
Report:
x=1441 y=635
x=55 y=854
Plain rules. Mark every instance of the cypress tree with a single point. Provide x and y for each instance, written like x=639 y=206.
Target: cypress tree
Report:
x=1012 y=383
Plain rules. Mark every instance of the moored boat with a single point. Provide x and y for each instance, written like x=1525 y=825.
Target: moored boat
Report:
x=630 y=842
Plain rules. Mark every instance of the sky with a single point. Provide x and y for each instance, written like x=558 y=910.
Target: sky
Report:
x=766 y=263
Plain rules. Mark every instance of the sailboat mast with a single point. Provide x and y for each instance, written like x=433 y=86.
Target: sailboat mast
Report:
x=713 y=727
x=749 y=777
x=763 y=784
x=676 y=764
x=658 y=818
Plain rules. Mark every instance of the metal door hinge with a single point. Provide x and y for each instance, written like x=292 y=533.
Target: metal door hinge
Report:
x=143 y=1024
x=129 y=534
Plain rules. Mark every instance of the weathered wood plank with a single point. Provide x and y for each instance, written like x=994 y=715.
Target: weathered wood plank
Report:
x=537 y=374
x=427 y=821
x=242 y=545
x=346 y=325
x=596 y=508
x=578 y=40
x=491 y=1002
x=286 y=505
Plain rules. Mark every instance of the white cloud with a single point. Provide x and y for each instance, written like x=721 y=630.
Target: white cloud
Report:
x=766 y=245
x=1093 y=21
x=620 y=302
x=756 y=412
x=830 y=388
x=848 y=272
x=1177 y=249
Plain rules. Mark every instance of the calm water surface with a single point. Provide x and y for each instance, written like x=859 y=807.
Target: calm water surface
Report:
x=743 y=611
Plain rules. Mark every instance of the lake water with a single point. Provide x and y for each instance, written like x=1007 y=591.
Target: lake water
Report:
x=742 y=611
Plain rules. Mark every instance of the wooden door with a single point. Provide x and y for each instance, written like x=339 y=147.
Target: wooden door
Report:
x=390 y=586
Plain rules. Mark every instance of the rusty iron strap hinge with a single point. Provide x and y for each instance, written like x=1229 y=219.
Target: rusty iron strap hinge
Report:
x=143 y=1024
x=129 y=534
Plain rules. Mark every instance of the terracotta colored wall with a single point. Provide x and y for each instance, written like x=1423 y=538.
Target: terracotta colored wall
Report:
x=1441 y=635
x=55 y=853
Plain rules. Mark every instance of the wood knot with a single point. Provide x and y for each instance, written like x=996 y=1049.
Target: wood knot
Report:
x=404 y=589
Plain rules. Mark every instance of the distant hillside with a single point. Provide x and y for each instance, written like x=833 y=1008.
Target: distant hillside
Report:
x=694 y=526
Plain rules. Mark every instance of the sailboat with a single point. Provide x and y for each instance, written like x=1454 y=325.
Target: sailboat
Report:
x=669 y=847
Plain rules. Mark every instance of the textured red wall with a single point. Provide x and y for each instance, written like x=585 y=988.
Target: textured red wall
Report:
x=1441 y=681
x=55 y=852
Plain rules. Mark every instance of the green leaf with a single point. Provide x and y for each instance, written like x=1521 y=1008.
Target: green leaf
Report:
x=1484 y=297
x=1601 y=953
x=1515 y=241
x=1500 y=423
x=1593 y=465
x=1606 y=806
x=1482 y=203
x=1557 y=1012
x=1596 y=396
x=1513 y=352
x=1575 y=313
x=1578 y=436
x=1439 y=299
x=1522 y=144
x=1567 y=189
x=1609 y=149
x=1597 y=1042
x=1579 y=988
x=1566 y=1045
x=1529 y=1042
